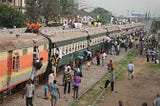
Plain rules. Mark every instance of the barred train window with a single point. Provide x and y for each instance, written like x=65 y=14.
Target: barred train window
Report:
x=45 y=47
x=24 y=51
x=15 y=63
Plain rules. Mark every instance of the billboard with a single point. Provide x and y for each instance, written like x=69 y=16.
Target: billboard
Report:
x=137 y=13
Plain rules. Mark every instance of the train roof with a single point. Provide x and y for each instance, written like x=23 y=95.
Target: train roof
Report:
x=11 y=39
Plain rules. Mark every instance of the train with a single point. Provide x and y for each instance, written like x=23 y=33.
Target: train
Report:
x=18 y=50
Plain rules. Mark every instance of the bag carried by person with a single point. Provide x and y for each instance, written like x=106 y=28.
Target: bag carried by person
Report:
x=48 y=95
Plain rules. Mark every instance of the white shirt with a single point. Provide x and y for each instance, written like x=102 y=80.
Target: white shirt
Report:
x=59 y=52
x=50 y=78
x=67 y=67
x=156 y=101
x=104 y=56
x=29 y=90
x=130 y=66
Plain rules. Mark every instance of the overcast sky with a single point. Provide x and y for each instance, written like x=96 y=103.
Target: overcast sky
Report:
x=121 y=7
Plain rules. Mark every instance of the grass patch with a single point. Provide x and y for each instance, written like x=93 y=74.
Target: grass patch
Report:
x=153 y=67
x=120 y=66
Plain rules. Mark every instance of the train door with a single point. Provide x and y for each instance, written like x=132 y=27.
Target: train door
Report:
x=9 y=66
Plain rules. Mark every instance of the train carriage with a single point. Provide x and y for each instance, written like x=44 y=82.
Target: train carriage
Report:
x=17 y=50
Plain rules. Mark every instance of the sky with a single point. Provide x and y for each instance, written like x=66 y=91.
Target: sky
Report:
x=124 y=7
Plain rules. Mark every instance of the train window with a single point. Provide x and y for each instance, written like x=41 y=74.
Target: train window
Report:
x=16 y=63
x=81 y=45
x=66 y=49
x=25 y=51
x=73 y=47
x=63 y=50
x=78 y=46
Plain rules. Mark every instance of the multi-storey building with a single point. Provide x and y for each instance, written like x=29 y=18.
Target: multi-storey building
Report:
x=18 y=4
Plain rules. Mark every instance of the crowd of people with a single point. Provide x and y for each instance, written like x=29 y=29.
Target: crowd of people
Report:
x=72 y=76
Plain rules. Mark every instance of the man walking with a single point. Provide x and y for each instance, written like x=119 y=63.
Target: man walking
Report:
x=54 y=89
x=157 y=101
x=130 y=70
x=29 y=93
x=77 y=81
x=103 y=58
x=67 y=78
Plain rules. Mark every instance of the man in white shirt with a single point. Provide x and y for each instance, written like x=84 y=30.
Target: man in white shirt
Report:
x=104 y=55
x=67 y=67
x=29 y=93
x=59 y=52
x=157 y=101
x=51 y=78
x=130 y=70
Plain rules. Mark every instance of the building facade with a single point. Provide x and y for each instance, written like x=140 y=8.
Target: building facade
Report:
x=18 y=4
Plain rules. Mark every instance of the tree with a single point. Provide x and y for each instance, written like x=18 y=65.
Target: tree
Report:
x=153 y=26
x=49 y=9
x=10 y=17
x=101 y=15
x=32 y=10
x=69 y=8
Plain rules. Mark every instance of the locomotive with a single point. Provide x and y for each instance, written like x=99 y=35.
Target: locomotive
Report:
x=18 y=50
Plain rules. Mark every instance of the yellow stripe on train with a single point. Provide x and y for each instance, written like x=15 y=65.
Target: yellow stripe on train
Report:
x=20 y=72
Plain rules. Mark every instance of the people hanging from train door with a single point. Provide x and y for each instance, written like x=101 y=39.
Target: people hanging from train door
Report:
x=36 y=66
x=59 y=53
x=35 y=54
x=54 y=60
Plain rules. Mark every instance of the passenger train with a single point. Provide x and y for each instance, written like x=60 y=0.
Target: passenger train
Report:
x=17 y=50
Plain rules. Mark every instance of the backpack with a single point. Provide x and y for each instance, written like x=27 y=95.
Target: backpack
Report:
x=38 y=65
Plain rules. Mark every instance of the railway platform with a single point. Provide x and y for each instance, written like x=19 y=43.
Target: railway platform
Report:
x=90 y=77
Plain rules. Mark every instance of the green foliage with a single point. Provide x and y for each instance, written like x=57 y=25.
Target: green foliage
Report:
x=68 y=7
x=32 y=10
x=153 y=26
x=101 y=15
x=49 y=10
x=10 y=17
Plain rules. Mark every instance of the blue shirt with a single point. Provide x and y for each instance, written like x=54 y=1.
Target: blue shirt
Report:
x=131 y=66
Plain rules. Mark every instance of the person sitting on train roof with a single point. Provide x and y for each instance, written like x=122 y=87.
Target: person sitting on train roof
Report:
x=36 y=27
x=29 y=27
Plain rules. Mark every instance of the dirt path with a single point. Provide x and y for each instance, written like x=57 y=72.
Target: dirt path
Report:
x=143 y=88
